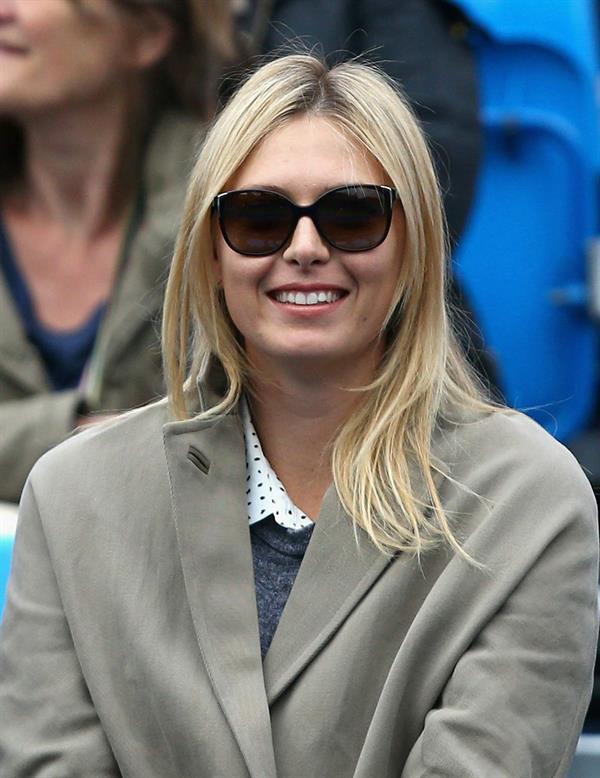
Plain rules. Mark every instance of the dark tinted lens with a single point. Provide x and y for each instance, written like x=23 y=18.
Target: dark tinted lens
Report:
x=354 y=219
x=255 y=222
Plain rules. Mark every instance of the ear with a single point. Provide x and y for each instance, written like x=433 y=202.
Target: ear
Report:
x=152 y=36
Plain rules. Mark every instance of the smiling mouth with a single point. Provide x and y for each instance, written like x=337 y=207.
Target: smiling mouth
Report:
x=317 y=297
x=11 y=48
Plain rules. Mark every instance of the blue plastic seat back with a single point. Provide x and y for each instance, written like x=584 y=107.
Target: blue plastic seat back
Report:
x=8 y=521
x=522 y=259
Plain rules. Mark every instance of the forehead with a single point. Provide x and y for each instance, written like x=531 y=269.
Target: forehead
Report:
x=306 y=156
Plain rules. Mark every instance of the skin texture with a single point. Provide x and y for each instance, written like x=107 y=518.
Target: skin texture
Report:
x=306 y=359
x=54 y=53
x=72 y=77
x=303 y=160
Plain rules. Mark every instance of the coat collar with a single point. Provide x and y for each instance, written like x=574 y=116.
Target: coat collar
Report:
x=207 y=474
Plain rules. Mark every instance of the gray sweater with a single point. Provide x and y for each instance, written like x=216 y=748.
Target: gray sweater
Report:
x=277 y=553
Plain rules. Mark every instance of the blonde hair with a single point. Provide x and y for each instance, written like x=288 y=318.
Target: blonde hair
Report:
x=382 y=455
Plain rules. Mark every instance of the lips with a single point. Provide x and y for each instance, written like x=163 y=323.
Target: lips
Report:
x=12 y=48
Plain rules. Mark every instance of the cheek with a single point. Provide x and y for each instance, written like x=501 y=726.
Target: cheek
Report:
x=60 y=70
x=239 y=282
x=90 y=70
x=377 y=279
x=219 y=252
x=78 y=59
x=242 y=275
x=243 y=281
x=241 y=310
x=52 y=38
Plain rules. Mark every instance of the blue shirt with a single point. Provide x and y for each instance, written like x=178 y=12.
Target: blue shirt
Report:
x=64 y=353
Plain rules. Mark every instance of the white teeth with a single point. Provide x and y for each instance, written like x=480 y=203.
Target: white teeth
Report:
x=312 y=298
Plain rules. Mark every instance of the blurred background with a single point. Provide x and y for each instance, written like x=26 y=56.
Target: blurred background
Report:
x=103 y=102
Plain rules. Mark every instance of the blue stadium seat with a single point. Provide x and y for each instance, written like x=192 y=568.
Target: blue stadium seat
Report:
x=8 y=520
x=523 y=259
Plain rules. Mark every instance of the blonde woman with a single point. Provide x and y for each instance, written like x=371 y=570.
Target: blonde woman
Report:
x=326 y=554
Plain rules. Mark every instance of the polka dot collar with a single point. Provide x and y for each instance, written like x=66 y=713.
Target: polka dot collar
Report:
x=265 y=494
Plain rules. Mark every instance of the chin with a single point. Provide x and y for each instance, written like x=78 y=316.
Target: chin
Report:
x=10 y=103
x=310 y=348
x=310 y=356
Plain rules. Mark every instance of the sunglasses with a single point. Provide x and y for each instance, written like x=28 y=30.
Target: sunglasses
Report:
x=257 y=222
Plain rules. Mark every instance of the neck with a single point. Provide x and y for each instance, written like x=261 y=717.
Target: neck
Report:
x=297 y=415
x=322 y=389
x=79 y=164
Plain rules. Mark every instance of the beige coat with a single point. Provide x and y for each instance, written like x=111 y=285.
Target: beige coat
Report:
x=130 y=642
x=125 y=369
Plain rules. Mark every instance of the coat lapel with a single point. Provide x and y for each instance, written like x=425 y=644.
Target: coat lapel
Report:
x=208 y=475
x=334 y=576
x=21 y=363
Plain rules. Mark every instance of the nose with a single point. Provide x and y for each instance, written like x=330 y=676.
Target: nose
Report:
x=306 y=246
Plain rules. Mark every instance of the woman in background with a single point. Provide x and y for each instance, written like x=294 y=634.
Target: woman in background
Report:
x=100 y=104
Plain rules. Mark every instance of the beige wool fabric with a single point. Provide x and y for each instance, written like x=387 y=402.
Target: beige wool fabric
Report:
x=130 y=642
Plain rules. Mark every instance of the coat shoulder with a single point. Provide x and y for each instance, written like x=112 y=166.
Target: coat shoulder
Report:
x=101 y=457
x=507 y=455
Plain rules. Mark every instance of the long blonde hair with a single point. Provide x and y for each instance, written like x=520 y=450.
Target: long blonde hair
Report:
x=381 y=457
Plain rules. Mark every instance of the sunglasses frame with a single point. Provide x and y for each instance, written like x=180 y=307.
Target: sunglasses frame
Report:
x=387 y=194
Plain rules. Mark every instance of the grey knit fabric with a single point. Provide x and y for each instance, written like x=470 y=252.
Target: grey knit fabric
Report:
x=277 y=553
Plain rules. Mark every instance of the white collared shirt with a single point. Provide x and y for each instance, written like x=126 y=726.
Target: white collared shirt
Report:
x=265 y=494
